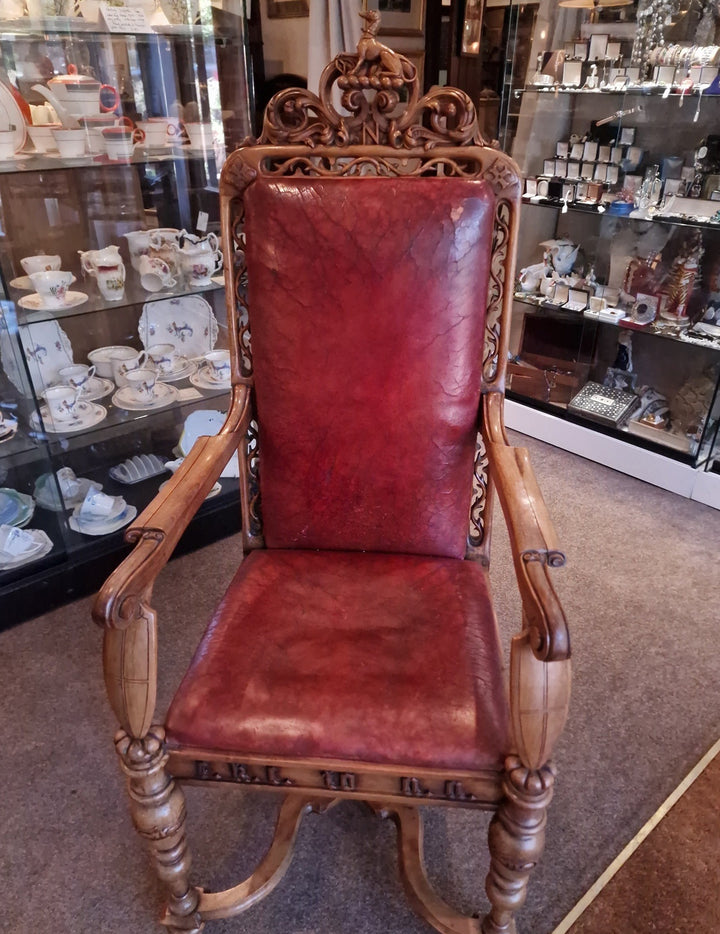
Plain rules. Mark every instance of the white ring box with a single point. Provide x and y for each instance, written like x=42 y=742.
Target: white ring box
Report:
x=590 y=151
x=562 y=150
x=600 y=173
x=616 y=154
x=558 y=295
x=560 y=168
x=604 y=154
x=573 y=170
x=587 y=171
x=577 y=300
x=577 y=151
x=531 y=187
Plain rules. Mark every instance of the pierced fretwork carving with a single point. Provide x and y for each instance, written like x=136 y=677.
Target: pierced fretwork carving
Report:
x=496 y=289
x=371 y=81
x=476 y=534
x=252 y=464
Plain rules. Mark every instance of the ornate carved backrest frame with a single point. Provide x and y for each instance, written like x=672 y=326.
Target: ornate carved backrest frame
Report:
x=435 y=135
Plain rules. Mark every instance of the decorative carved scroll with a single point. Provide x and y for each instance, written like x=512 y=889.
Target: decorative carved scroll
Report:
x=372 y=82
x=496 y=290
x=476 y=533
x=252 y=466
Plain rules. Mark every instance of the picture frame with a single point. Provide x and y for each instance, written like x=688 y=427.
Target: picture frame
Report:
x=400 y=17
x=598 y=47
x=288 y=9
x=613 y=51
x=472 y=25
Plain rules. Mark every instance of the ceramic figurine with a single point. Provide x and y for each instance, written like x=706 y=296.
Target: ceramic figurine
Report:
x=561 y=255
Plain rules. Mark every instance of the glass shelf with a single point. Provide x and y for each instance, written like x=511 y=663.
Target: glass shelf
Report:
x=44 y=162
x=134 y=295
x=652 y=90
x=599 y=211
x=665 y=331
x=70 y=26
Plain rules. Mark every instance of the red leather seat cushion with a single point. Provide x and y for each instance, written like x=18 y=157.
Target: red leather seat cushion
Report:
x=389 y=659
x=367 y=310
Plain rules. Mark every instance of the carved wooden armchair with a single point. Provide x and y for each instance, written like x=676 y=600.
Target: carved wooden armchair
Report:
x=356 y=654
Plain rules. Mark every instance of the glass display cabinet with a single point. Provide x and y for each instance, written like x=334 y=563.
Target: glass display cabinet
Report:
x=612 y=118
x=114 y=125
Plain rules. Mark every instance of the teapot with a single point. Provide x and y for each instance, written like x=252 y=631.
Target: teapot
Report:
x=77 y=95
x=562 y=254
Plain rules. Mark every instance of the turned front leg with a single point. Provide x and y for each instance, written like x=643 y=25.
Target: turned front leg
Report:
x=157 y=805
x=516 y=839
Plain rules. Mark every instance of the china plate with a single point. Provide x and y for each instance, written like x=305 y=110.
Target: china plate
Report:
x=214 y=489
x=104 y=528
x=185 y=369
x=34 y=302
x=187 y=322
x=24 y=283
x=96 y=388
x=12 y=117
x=164 y=395
x=205 y=422
x=201 y=381
x=89 y=414
x=47 y=349
x=15 y=561
x=8 y=429
x=15 y=508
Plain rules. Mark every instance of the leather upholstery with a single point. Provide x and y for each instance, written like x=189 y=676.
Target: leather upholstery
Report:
x=367 y=301
x=336 y=655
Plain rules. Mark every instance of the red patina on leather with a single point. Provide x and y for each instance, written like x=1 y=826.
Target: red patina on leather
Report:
x=367 y=310
x=376 y=658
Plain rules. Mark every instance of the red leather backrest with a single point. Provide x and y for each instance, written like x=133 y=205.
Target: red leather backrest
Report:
x=367 y=312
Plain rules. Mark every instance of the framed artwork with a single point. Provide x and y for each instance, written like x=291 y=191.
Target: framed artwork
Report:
x=400 y=17
x=472 y=26
x=285 y=9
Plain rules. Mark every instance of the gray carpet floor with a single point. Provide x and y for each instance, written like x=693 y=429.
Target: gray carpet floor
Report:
x=640 y=593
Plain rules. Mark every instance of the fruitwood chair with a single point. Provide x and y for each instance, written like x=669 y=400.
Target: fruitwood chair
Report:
x=355 y=654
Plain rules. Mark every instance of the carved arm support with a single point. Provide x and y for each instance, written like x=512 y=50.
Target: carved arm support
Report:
x=534 y=545
x=123 y=604
x=540 y=654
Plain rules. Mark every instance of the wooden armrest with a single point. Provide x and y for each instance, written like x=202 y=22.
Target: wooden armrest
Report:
x=158 y=529
x=533 y=541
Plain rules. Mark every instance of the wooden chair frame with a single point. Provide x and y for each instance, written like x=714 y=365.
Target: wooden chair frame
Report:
x=305 y=135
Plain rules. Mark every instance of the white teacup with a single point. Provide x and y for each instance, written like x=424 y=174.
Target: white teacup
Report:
x=61 y=402
x=97 y=505
x=120 y=142
x=52 y=286
x=40 y=263
x=164 y=357
x=15 y=541
x=158 y=131
x=217 y=365
x=42 y=136
x=70 y=143
x=155 y=274
x=78 y=376
x=124 y=360
x=141 y=385
x=8 y=140
x=200 y=135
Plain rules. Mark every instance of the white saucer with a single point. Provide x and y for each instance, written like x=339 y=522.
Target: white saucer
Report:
x=214 y=490
x=34 y=302
x=18 y=156
x=96 y=388
x=164 y=395
x=8 y=430
x=185 y=368
x=200 y=380
x=103 y=528
x=42 y=546
x=22 y=282
x=118 y=508
x=89 y=414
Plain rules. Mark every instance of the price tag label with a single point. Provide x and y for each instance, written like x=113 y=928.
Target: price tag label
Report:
x=202 y=221
x=125 y=18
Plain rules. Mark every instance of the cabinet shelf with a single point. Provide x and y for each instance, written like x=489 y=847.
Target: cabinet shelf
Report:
x=665 y=332
x=595 y=211
x=135 y=295
x=43 y=162
x=74 y=27
x=652 y=90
